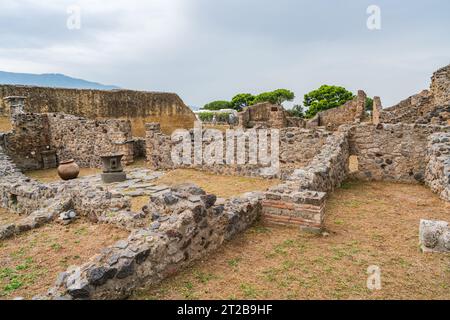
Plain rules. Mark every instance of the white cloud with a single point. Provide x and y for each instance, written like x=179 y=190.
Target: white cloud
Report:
x=206 y=50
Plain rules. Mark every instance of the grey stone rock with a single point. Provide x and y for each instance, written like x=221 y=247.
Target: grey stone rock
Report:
x=155 y=225
x=169 y=199
x=122 y=244
x=99 y=276
x=209 y=200
x=125 y=270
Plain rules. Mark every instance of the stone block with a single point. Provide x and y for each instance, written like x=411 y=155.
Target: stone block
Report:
x=434 y=236
x=114 y=177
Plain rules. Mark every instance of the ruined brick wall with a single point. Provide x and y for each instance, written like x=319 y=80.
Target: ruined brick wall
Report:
x=86 y=141
x=297 y=149
x=431 y=106
x=351 y=112
x=27 y=141
x=391 y=152
x=139 y=107
x=264 y=115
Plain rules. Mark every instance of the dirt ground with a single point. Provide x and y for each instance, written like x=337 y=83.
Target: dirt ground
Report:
x=5 y=124
x=368 y=224
x=30 y=263
x=51 y=175
x=221 y=186
x=7 y=217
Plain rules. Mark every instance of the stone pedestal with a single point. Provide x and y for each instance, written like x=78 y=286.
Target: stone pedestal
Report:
x=111 y=177
x=112 y=169
x=49 y=159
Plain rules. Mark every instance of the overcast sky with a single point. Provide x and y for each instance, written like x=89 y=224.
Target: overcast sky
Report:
x=208 y=50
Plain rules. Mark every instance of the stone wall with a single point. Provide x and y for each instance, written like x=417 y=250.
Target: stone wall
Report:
x=189 y=225
x=29 y=138
x=301 y=200
x=297 y=148
x=328 y=169
x=139 y=107
x=391 y=152
x=23 y=195
x=86 y=141
x=426 y=107
x=264 y=115
x=437 y=173
x=351 y=112
x=440 y=86
x=36 y=138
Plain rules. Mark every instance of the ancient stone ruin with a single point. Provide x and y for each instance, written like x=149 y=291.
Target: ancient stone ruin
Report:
x=180 y=224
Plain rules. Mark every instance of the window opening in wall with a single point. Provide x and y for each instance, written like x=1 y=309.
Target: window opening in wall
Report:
x=353 y=164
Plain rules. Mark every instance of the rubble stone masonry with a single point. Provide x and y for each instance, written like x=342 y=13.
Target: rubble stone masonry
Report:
x=35 y=136
x=431 y=106
x=137 y=106
x=391 y=152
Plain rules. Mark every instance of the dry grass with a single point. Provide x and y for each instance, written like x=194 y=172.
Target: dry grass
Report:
x=369 y=224
x=5 y=124
x=138 y=202
x=51 y=175
x=221 y=127
x=30 y=262
x=222 y=186
x=7 y=217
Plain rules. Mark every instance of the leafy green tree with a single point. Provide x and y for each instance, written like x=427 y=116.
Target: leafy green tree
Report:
x=276 y=97
x=369 y=104
x=297 y=111
x=241 y=101
x=217 y=105
x=324 y=98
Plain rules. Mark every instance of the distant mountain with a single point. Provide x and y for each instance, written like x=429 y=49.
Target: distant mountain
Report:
x=55 y=80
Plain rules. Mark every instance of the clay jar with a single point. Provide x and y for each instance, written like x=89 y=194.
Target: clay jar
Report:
x=68 y=170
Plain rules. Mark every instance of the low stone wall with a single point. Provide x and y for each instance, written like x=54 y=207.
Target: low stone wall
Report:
x=328 y=169
x=40 y=203
x=297 y=149
x=301 y=200
x=189 y=224
x=391 y=152
x=351 y=112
